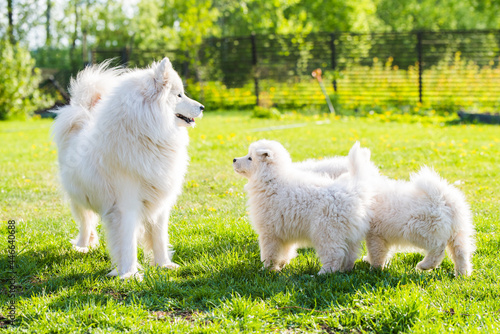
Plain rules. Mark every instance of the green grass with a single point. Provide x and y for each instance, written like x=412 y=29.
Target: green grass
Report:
x=220 y=286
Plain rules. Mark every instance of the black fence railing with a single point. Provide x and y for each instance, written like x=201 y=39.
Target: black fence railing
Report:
x=443 y=70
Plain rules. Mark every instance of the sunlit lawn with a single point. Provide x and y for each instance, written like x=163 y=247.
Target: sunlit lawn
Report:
x=220 y=286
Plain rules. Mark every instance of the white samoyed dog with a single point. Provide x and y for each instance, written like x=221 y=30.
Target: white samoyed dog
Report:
x=426 y=213
x=291 y=208
x=122 y=146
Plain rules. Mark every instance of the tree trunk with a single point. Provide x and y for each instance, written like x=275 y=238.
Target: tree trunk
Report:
x=10 y=28
x=48 y=38
x=74 y=65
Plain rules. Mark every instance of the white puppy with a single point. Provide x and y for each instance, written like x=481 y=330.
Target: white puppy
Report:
x=290 y=208
x=333 y=167
x=426 y=212
x=123 y=154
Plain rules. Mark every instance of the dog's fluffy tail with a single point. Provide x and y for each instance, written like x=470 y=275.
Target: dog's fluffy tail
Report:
x=91 y=83
x=359 y=164
x=362 y=172
x=461 y=245
x=85 y=91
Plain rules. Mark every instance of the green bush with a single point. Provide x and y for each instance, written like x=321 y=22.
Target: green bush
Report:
x=19 y=81
x=261 y=112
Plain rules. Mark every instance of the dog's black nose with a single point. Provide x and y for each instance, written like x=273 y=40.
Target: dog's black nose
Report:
x=202 y=107
x=234 y=160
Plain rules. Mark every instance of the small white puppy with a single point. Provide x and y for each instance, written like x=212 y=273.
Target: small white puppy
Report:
x=123 y=154
x=333 y=167
x=291 y=208
x=426 y=212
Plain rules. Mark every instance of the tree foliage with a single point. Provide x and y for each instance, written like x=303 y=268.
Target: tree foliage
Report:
x=26 y=16
x=19 y=80
x=78 y=26
x=183 y=24
x=413 y=15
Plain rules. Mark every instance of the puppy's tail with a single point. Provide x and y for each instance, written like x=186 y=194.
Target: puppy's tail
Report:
x=85 y=91
x=461 y=245
x=360 y=166
x=362 y=172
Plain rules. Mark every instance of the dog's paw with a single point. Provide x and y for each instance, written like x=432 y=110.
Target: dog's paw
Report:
x=347 y=268
x=170 y=265
x=327 y=270
x=424 y=266
x=94 y=242
x=112 y=273
x=270 y=268
x=135 y=275
x=81 y=249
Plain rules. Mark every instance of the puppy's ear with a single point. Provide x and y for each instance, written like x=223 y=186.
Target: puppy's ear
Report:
x=161 y=72
x=265 y=155
x=366 y=152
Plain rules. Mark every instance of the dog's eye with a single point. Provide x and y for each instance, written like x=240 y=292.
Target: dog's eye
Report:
x=179 y=95
x=250 y=158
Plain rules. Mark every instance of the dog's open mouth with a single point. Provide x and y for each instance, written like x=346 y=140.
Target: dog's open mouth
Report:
x=185 y=119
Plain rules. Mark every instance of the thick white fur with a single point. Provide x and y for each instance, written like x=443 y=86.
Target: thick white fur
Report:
x=334 y=166
x=426 y=212
x=291 y=208
x=123 y=155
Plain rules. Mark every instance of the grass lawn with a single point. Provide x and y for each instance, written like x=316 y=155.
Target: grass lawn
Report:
x=220 y=286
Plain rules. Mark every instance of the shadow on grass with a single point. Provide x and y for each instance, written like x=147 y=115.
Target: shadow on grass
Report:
x=45 y=270
x=299 y=280
x=296 y=289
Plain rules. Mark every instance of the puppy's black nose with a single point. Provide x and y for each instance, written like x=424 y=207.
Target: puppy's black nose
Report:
x=234 y=160
x=202 y=107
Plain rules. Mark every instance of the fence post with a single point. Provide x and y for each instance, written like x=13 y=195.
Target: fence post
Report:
x=254 y=68
x=124 y=56
x=333 y=51
x=420 y=65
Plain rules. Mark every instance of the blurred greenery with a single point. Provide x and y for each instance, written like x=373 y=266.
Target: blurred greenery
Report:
x=62 y=34
x=462 y=85
x=183 y=24
x=19 y=93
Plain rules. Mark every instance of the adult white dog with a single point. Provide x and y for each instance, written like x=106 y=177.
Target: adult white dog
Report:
x=426 y=212
x=122 y=145
x=291 y=208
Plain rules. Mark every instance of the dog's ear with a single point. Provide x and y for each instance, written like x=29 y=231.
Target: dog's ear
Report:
x=265 y=155
x=161 y=72
x=366 y=152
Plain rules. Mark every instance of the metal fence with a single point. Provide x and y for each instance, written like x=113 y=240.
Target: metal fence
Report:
x=444 y=70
